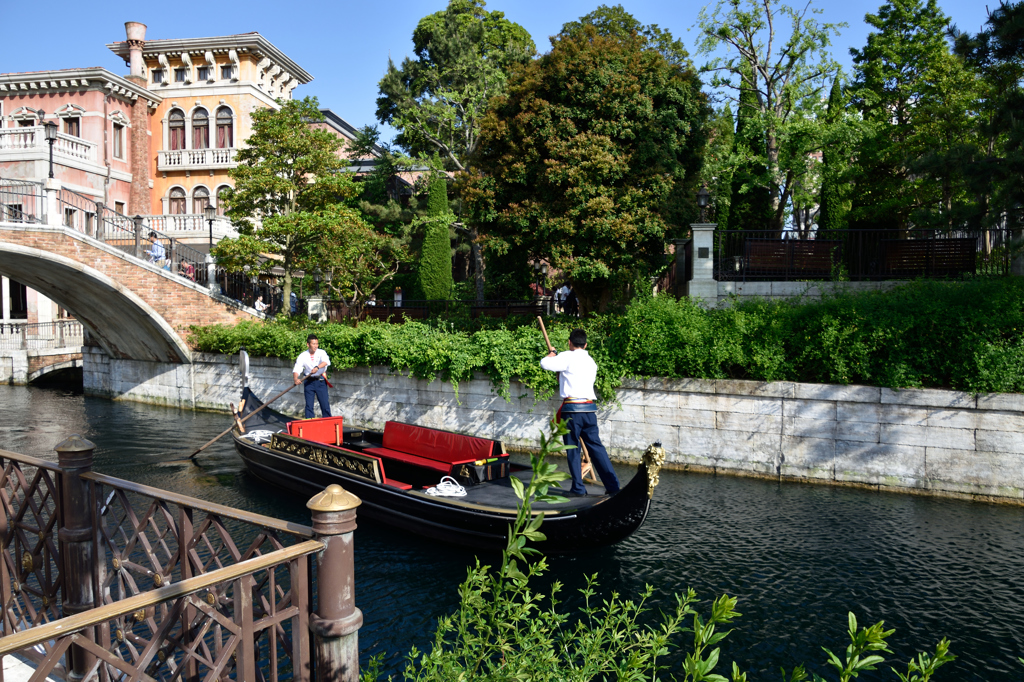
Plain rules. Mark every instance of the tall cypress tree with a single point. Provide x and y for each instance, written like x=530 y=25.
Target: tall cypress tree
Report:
x=435 y=269
x=832 y=204
x=750 y=209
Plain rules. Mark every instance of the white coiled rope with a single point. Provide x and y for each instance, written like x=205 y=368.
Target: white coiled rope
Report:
x=448 y=487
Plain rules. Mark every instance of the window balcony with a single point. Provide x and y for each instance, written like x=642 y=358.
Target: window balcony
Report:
x=196 y=159
x=29 y=144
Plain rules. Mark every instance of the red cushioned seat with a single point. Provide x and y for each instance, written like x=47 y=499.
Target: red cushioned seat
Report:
x=326 y=430
x=443 y=467
x=434 y=444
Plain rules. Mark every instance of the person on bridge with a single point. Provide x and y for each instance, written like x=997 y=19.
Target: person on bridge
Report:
x=260 y=306
x=313 y=363
x=156 y=252
x=577 y=373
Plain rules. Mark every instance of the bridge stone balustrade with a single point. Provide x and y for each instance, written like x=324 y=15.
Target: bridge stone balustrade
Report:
x=131 y=308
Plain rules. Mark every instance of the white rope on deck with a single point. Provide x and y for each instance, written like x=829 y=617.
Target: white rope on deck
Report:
x=448 y=487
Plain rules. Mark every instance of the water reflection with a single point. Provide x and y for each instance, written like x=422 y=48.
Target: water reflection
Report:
x=798 y=556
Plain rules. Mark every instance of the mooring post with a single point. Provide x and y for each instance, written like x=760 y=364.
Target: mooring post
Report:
x=76 y=535
x=335 y=623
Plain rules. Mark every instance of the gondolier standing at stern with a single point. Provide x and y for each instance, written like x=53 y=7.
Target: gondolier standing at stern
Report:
x=577 y=373
x=313 y=364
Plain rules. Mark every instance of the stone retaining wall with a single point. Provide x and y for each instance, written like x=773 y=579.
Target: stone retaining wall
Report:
x=936 y=442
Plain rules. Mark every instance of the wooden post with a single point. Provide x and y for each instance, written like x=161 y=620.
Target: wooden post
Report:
x=77 y=543
x=335 y=623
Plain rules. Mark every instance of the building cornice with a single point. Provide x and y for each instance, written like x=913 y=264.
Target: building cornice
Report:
x=252 y=43
x=63 y=80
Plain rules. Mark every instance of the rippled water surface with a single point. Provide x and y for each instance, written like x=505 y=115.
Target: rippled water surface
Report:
x=797 y=556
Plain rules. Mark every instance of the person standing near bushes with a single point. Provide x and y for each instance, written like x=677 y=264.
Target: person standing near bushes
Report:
x=313 y=363
x=577 y=373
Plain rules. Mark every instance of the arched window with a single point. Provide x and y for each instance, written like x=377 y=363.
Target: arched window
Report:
x=176 y=129
x=225 y=129
x=177 y=201
x=200 y=200
x=200 y=129
x=221 y=192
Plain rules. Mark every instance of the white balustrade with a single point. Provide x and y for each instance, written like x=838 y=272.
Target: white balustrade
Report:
x=190 y=159
x=33 y=139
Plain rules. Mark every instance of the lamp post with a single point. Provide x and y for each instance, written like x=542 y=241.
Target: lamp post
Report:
x=50 y=132
x=703 y=197
x=316 y=279
x=211 y=214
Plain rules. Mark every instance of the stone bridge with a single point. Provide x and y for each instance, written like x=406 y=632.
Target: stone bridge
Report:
x=130 y=307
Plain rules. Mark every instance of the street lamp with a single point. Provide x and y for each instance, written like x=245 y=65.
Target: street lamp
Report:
x=703 y=197
x=50 y=132
x=316 y=278
x=211 y=214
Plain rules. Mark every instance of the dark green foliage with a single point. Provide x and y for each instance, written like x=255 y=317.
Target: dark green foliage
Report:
x=751 y=207
x=616 y=21
x=435 y=266
x=959 y=335
x=833 y=204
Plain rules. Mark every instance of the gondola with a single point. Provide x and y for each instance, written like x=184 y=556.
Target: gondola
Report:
x=392 y=470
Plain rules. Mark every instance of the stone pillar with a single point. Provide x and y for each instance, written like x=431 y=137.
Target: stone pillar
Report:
x=138 y=235
x=335 y=623
x=54 y=217
x=316 y=309
x=77 y=546
x=703 y=286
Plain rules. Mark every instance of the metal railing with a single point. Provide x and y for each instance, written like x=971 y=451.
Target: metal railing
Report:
x=86 y=215
x=22 y=201
x=41 y=335
x=388 y=309
x=143 y=583
x=771 y=255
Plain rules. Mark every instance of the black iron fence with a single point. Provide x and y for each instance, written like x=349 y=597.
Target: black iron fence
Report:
x=249 y=290
x=22 y=201
x=770 y=255
x=389 y=309
x=91 y=217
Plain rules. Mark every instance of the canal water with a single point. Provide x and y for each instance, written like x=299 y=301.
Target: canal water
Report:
x=798 y=557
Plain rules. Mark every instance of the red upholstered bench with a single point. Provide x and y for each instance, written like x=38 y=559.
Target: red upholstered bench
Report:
x=432 y=448
x=323 y=430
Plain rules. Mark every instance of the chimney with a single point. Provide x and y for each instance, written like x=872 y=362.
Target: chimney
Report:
x=136 y=39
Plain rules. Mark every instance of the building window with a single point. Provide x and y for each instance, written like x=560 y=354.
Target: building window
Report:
x=118 y=141
x=158 y=76
x=200 y=129
x=180 y=74
x=222 y=199
x=18 y=300
x=26 y=123
x=69 y=217
x=225 y=129
x=14 y=213
x=73 y=126
x=227 y=71
x=176 y=129
x=200 y=200
x=119 y=207
x=177 y=203
x=203 y=73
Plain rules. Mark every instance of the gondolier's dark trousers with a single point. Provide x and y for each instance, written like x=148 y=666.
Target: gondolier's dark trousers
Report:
x=318 y=388
x=583 y=426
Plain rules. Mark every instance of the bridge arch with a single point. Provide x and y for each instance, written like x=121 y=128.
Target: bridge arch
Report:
x=116 y=317
x=57 y=367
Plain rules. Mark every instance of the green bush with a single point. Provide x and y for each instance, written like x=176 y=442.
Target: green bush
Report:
x=957 y=335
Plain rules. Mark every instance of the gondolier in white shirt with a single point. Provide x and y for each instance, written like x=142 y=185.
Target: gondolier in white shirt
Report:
x=313 y=363
x=577 y=373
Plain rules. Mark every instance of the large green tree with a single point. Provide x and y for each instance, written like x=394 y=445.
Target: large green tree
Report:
x=751 y=207
x=288 y=171
x=580 y=156
x=917 y=99
x=833 y=200
x=435 y=266
x=780 y=55
x=462 y=58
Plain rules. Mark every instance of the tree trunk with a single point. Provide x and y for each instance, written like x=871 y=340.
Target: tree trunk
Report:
x=286 y=292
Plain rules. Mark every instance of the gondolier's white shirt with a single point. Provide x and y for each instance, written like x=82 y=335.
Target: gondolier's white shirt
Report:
x=306 y=362
x=578 y=371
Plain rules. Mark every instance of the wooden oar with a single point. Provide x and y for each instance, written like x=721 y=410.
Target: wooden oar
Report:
x=243 y=419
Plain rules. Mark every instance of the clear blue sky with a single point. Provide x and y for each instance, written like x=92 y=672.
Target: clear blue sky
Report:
x=345 y=45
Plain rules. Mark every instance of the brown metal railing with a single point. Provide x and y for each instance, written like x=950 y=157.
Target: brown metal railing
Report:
x=103 y=578
x=22 y=201
x=771 y=255
x=387 y=309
